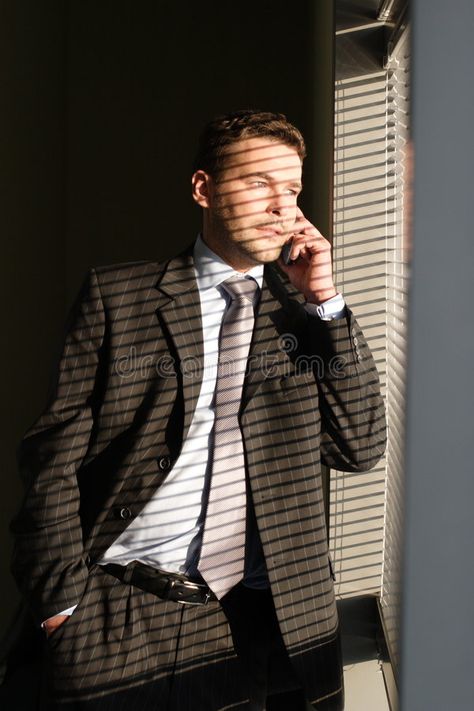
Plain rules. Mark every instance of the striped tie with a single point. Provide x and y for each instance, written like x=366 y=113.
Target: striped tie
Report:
x=223 y=547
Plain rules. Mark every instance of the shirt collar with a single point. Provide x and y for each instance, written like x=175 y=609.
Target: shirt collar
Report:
x=211 y=270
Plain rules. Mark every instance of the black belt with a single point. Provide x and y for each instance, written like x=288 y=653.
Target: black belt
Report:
x=168 y=586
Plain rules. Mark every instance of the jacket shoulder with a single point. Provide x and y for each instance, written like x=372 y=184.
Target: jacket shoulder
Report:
x=123 y=270
x=126 y=277
x=135 y=275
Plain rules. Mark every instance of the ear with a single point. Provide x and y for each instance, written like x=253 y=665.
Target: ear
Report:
x=202 y=188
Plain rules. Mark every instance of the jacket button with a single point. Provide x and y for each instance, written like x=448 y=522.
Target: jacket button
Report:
x=123 y=512
x=164 y=463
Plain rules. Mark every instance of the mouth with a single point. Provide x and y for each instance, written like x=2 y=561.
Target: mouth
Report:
x=270 y=230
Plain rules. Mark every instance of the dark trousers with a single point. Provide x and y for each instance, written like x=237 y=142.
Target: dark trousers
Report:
x=258 y=643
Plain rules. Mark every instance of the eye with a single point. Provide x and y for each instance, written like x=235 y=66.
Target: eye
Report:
x=259 y=184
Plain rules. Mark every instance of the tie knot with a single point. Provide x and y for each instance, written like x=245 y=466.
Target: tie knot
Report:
x=240 y=287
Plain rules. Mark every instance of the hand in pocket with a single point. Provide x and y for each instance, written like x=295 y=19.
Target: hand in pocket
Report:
x=53 y=623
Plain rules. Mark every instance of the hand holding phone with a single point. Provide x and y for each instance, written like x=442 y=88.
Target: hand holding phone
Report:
x=310 y=271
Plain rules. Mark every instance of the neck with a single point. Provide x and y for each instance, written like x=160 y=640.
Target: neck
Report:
x=227 y=252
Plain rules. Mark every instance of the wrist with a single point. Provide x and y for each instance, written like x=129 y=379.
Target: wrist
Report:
x=319 y=297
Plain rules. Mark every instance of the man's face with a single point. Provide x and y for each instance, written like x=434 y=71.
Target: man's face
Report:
x=252 y=202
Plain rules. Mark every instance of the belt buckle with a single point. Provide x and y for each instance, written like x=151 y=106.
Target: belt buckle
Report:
x=188 y=584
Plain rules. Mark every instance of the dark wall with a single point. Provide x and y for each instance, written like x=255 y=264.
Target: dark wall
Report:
x=142 y=79
x=32 y=229
x=104 y=104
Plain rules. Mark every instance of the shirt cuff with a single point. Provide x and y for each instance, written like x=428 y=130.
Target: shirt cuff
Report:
x=69 y=611
x=328 y=310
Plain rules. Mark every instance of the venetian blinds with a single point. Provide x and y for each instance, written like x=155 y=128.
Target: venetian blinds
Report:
x=370 y=262
x=398 y=102
x=362 y=214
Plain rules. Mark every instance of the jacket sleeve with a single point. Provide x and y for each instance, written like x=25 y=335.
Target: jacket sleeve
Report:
x=353 y=427
x=48 y=559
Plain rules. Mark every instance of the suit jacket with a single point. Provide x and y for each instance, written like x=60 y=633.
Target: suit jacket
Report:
x=125 y=390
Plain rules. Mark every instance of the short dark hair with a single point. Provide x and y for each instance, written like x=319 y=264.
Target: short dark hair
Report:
x=224 y=130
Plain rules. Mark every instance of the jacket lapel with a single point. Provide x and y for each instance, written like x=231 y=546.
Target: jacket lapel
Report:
x=179 y=310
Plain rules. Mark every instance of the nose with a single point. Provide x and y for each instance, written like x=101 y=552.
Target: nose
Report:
x=280 y=204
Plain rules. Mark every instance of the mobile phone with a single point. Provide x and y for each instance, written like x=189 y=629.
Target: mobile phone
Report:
x=285 y=254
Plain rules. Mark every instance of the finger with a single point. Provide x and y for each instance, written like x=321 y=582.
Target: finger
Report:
x=300 y=221
x=306 y=255
x=302 y=224
x=297 y=244
x=318 y=247
x=317 y=241
x=302 y=243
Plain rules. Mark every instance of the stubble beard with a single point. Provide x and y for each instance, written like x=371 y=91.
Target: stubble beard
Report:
x=253 y=248
x=242 y=245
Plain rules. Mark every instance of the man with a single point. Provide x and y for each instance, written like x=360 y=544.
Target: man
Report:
x=172 y=540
